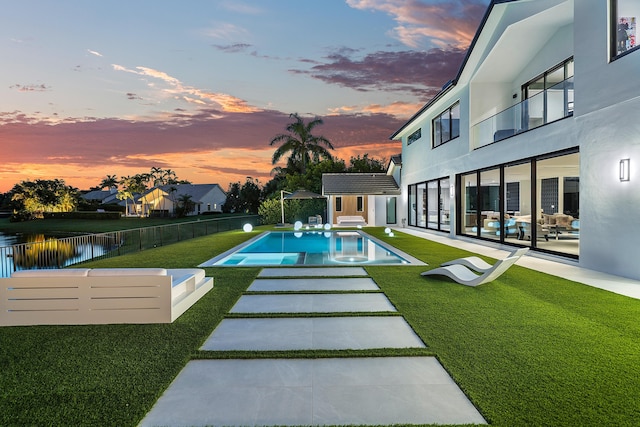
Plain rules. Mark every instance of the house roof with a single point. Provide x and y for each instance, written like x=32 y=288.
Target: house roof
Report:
x=103 y=196
x=196 y=191
x=359 y=183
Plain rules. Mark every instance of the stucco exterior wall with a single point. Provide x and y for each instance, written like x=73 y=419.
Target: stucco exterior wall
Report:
x=605 y=127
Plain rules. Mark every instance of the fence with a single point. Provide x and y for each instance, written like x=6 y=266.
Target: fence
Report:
x=62 y=252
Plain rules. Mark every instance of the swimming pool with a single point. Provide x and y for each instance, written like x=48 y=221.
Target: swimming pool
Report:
x=312 y=248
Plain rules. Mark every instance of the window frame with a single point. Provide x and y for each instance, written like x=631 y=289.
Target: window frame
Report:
x=338 y=203
x=359 y=203
x=437 y=132
x=415 y=136
x=613 y=33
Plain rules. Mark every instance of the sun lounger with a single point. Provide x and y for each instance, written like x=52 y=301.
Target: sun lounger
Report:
x=480 y=265
x=466 y=276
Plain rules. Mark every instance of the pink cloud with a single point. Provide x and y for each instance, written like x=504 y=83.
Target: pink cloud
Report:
x=420 y=73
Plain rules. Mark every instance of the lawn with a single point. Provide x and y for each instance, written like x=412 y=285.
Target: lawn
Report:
x=528 y=349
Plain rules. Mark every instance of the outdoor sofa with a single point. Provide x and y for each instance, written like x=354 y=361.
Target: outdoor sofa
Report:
x=77 y=296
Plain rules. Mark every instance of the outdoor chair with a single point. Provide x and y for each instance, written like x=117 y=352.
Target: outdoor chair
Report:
x=480 y=265
x=466 y=276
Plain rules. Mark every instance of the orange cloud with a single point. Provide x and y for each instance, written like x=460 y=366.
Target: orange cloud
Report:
x=175 y=88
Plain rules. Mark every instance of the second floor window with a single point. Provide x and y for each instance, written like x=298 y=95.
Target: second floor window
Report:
x=625 y=14
x=548 y=97
x=447 y=125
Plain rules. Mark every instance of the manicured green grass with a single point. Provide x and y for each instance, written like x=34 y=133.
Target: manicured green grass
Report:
x=111 y=375
x=529 y=349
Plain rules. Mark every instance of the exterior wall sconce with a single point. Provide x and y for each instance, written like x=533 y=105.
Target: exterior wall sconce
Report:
x=624 y=170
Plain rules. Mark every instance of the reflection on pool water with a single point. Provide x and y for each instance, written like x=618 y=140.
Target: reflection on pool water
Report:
x=311 y=248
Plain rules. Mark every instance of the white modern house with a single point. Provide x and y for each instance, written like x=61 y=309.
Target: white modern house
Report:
x=536 y=141
x=164 y=199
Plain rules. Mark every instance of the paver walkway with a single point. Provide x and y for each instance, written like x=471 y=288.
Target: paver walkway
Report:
x=332 y=391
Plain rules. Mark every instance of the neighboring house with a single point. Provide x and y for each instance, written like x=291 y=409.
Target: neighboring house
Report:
x=536 y=141
x=103 y=197
x=163 y=200
x=361 y=198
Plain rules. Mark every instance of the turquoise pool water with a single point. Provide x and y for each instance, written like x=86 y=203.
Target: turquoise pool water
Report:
x=312 y=248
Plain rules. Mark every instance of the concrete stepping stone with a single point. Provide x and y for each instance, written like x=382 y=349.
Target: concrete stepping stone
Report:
x=313 y=303
x=307 y=284
x=312 y=272
x=340 y=391
x=319 y=333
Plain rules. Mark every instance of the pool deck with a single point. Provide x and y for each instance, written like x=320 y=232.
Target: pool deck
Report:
x=554 y=265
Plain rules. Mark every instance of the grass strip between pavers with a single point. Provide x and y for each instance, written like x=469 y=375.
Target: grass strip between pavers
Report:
x=314 y=314
x=528 y=349
x=313 y=354
x=358 y=291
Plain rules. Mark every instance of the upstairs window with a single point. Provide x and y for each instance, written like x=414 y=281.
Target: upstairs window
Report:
x=447 y=125
x=624 y=17
x=414 y=136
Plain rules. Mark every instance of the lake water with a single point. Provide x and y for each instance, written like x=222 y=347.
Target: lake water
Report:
x=45 y=251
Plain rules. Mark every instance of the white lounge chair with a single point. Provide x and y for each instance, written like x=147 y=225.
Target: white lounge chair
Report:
x=480 y=265
x=466 y=276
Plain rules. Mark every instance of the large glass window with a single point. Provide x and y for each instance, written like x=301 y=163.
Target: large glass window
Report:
x=429 y=204
x=517 y=203
x=489 y=201
x=422 y=205
x=625 y=14
x=534 y=203
x=432 y=204
x=447 y=125
x=391 y=210
x=445 y=204
x=548 y=97
x=557 y=198
x=469 y=204
x=413 y=213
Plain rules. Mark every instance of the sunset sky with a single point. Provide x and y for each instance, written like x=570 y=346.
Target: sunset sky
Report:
x=96 y=88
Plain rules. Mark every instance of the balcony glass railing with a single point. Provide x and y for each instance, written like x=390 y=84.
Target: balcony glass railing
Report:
x=549 y=105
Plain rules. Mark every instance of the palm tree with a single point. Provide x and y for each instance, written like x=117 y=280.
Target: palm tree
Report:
x=157 y=176
x=302 y=145
x=109 y=182
x=185 y=205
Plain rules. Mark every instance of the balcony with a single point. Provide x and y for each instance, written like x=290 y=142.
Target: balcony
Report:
x=546 y=106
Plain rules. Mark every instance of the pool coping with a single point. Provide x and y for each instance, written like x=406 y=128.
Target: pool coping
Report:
x=410 y=260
